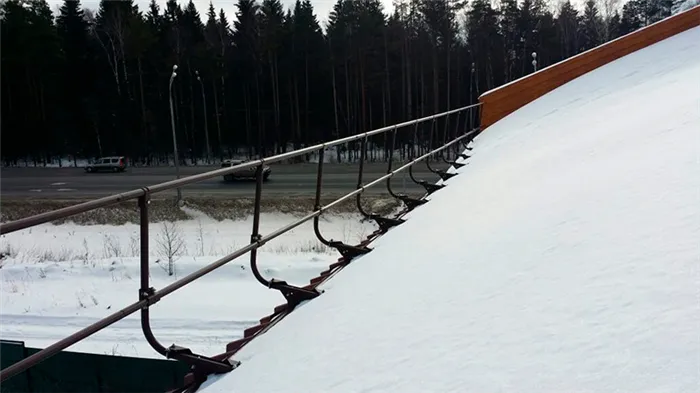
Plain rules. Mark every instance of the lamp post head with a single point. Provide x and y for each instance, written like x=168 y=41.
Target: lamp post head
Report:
x=534 y=55
x=174 y=74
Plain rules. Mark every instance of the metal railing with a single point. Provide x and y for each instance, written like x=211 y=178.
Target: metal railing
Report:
x=148 y=296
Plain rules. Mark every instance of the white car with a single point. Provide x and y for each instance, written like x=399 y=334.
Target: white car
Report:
x=107 y=164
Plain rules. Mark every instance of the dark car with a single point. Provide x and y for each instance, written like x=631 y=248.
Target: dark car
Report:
x=248 y=173
x=107 y=164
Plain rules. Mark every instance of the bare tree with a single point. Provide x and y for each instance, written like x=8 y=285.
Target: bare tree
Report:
x=170 y=245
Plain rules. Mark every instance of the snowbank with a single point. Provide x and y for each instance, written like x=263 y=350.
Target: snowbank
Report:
x=564 y=257
x=57 y=279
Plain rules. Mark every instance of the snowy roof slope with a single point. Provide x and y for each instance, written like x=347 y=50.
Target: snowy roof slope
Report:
x=564 y=257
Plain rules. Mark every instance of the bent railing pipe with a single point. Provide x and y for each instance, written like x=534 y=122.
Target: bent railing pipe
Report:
x=149 y=296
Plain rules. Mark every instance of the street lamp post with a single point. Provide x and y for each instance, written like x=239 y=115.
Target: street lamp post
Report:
x=534 y=60
x=206 y=127
x=172 y=123
x=471 y=97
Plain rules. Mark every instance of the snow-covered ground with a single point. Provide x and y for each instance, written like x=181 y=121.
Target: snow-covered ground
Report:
x=56 y=280
x=335 y=154
x=564 y=258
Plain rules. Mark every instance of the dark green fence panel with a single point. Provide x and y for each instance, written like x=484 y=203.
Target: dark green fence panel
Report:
x=12 y=352
x=73 y=372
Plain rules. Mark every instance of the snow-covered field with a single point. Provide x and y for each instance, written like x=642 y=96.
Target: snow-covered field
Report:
x=564 y=258
x=56 y=280
x=336 y=154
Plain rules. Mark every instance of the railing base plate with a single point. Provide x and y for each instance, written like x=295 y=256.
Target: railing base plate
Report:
x=444 y=175
x=347 y=251
x=411 y=203
x=430 y=187
x=203 y=363
x=294 y=295
x=386 y=223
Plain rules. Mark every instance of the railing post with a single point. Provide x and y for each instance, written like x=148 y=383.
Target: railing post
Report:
x=202 y=365
x=293 y=294
x=317 y=203
x=345 y=250
x=411 y=203
x=410 y=168
x=384 y=223
x=145 y=290
x=415 y=146
x=444 y=159
x=255 y=235
x=363 y=153
x=358 y=198
x=391 y=152
x=319 y=179
x=430 y=146
x=465 y=143
x=258 y=197
x=444 y=135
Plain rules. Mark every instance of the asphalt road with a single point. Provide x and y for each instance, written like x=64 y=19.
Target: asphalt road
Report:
x=285 y=180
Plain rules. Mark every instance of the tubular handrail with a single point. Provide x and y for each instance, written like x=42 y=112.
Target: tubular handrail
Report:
x=149 y=296
x=113 y=199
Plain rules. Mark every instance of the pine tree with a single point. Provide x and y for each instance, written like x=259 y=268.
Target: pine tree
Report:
x=93 y=84
x=568 y=23
x=591 y=26
x=271 y=34
x=76 y=75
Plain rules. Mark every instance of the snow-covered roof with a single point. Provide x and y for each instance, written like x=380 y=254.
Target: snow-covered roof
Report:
x=564 y=257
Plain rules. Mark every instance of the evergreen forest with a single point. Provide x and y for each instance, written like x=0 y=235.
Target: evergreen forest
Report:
x=85 y=83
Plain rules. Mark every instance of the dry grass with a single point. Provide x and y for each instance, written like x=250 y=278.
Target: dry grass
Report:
x=166 y=210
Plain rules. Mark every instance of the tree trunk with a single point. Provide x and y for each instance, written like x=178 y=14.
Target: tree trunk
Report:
x=261 y=129
x=144 y=128
x=290 y=93
x=216 y=113
x=366 y=126
x=335 y=108
x=193 y=126
x=297 y=139
x=275 y=102
x=348 y=119
x=283 y=148
x=409 y=82
x=436 y=92
x=386 y=134
x=306 y=99
x=246 y=103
